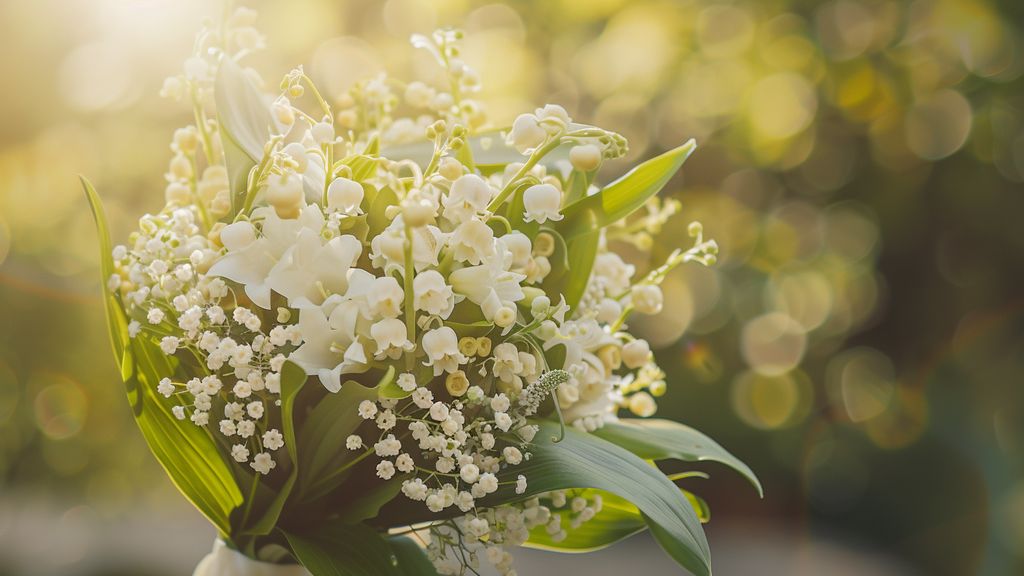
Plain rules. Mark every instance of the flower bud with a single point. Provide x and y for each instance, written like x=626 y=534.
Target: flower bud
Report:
x=642 y=404
x=585 y=158
x=505 y=317
x=544 y=244
x=483 y=346
x=636 y=353
x=344 y=195
x=468 y=346
x=456 y=383
x=611 y=357
x=238 y=235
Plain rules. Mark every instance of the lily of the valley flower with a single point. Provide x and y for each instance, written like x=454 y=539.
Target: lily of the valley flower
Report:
x=542 y=203
x=391 y=338
x=472 y=241
x=469 y=195
x=344 y=195
x=432 y=295
x=442 y=348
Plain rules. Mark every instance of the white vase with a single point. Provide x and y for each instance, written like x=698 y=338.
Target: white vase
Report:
x=224 y=561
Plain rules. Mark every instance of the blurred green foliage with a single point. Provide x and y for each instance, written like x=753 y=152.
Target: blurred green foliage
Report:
x=860 y=165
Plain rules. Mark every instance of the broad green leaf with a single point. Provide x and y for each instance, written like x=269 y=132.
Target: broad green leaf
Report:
x=412 y=560
x=617 y=520
x=377 y=218
x=700 y=506
x=187 y=452
x=117 y=322
x=292 y=379
x=367 y=504
x=657 y=439
x=571 y=280
x=339 y=549
x=582 y=460
x=620 y=198
x=321 y=440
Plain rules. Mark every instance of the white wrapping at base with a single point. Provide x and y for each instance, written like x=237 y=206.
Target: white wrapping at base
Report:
x=224 y=561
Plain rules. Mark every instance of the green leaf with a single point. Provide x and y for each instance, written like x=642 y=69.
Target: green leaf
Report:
x=700 y=506
x=117 y=321
x=377 y=217
x=338 y=549
x=657 y=439
x=292 y=379
x=187 y=452
x=321 y=441
x=617 y=520
x=583 y=460
x=620 y=198
x=412 y=560
x=571 y=280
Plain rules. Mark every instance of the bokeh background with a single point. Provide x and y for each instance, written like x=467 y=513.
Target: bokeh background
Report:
x=860 y=343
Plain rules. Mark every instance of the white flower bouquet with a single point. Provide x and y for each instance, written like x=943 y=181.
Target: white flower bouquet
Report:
x=368 y=335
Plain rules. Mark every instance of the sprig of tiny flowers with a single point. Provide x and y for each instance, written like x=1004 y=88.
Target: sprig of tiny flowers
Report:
x=347 y=270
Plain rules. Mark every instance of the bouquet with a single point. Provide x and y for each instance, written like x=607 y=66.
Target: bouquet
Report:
x=369 y=335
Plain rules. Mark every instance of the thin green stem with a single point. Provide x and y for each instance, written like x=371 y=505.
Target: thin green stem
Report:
x=410 y=308
x=511 y=184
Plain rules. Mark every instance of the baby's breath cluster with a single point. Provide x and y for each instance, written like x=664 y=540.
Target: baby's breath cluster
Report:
x=428 y=278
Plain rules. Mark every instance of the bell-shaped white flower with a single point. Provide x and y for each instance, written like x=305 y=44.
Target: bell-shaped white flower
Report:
x=478 y=282
x=286 y=194
x=344 y=195
x=526 y=133
x=432 y=295
x=387 y=249
x=391 y=337
x=542 y=203
x=553 y=117
x=385 y=298
x=518 y=244
x=468 y=196
x=441 y=346
x=472 y=241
